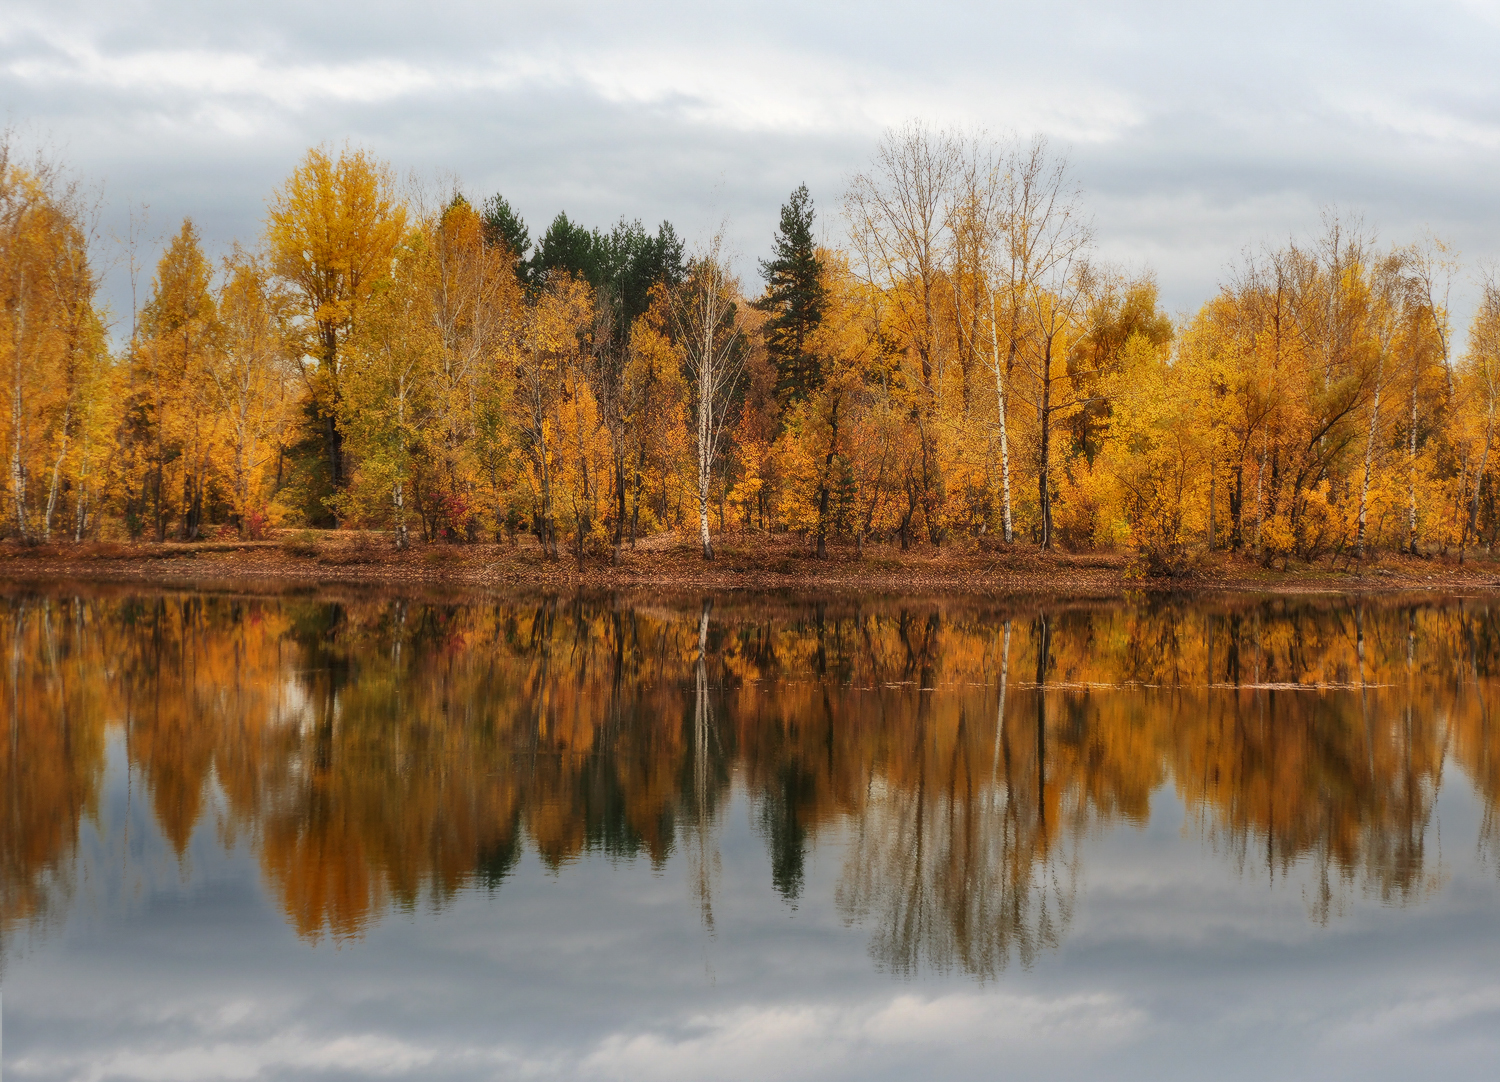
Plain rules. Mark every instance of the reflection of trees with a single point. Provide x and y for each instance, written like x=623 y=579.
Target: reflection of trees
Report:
x=52 y=757
x=389 y=752
x=960 y=865
x=1476 y=736
x=1343 y=779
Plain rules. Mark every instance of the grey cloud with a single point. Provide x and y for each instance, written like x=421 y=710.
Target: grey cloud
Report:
x=1198 y=129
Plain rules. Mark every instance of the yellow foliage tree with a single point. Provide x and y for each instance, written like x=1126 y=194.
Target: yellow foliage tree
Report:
x=331 y=229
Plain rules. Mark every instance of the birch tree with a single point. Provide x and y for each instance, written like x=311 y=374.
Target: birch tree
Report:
x=897 y=215
x=1431 y=275
x=1039 y=281
x=710 y=343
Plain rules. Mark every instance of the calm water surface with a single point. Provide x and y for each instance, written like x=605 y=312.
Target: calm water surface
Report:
x=353 y=835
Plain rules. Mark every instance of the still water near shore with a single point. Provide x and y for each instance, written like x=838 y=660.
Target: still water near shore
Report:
x=747 y=837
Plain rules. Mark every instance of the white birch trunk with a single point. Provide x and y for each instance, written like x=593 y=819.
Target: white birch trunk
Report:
x=705 y=435
x=57 y=466
x=710 y=337
x=81 y=508
x=1004 y=435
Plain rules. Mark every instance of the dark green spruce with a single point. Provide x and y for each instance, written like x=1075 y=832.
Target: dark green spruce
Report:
x=795 y=297
x=502 y=225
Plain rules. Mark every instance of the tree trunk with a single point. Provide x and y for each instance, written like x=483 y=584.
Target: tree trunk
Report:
x=161 y=517
x=1044 y=418
x=1364 y=487
x=81 y=505
x=1260 y=504
x=1411 y=456
x=833 y=442
x=1237 y=504
x=56 y=477
x=18 y=403
x=1000 y=408
x=703 y=534
x=1484 y=458
x=1213 y=505
x=333 y=439
x=398 y=500
x=619 y=507
x=705 y=438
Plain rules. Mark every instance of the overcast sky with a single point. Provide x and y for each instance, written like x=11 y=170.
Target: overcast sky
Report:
x=1197 y=129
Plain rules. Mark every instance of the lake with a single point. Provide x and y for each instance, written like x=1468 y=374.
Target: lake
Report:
x=347 y=834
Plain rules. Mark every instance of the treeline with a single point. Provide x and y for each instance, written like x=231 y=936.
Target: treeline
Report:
x=960 y=371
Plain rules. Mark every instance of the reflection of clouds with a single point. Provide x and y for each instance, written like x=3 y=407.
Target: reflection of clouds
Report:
x=799 y=1040
x=806 y=1040
x=258 y=1055
x=1420 y=1012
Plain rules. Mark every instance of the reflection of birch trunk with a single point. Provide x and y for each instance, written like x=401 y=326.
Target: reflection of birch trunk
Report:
x=1000 y=711
x=705 y=856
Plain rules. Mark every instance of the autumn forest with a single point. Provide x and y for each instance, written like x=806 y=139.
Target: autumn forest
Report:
x=959 y=371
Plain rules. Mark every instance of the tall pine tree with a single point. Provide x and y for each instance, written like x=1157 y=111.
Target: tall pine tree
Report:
x=502 y=225
x=795 y=297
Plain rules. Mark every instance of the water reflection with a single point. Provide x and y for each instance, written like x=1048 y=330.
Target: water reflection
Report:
x=385 y=752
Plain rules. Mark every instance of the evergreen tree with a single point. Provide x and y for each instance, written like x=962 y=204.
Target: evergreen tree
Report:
x=795 y=297
x=502 y=225
x=568 y=247
x=632 y=261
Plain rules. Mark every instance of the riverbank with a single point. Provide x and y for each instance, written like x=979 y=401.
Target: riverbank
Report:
x=744 y=562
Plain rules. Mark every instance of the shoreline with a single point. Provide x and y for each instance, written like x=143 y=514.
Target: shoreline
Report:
x=748 y=563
